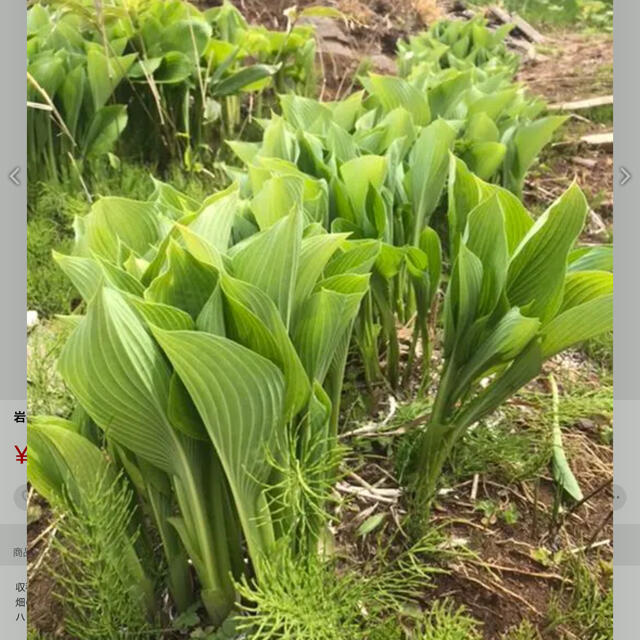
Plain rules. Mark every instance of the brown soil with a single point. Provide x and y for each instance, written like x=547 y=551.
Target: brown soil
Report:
x=43 y=608
x=503 y=573
x=575 y=67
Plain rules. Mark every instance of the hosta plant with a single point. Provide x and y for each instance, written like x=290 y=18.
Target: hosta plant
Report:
x=177 y=73
x=381 y=159
x=519 y=293
x=458 y=44
x=214 y=369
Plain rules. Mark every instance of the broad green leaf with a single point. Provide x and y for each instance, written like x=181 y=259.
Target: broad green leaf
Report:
x=509 y=338
x=485 y=236
x=171 y=202
x=591 y=259
x=482 y=128
x=113 y=221
x=246 y=151
x=269 y=260
x=517 y=220
x=393 y=92
x=325 y=318
x=199 y=248
x=582 y=286
x=62 y=461
x=356 y=256
x=390 y=260
x=49 y=72
x=428 y=165
x=463 y=296
x=176 y=67
x=84 y=273
x=239 y=396
x=119 y=278
x=305 y=113
x=243 y=79
x=464 y=194
x=182 y=413
x=537 y=270
x=430 y=244
x=345 y=112
x=211 y=318
x=276 y=199
x=105 y=128
x=105 y=73
x=278 y=141
x=161 y=315
x=525 y=144
x=446 y=94
x=187 y=282
x=340 y=143
x=72 y=96
x=187 y=36
x=485 y=158
x=214 y=220
x=360 y=173
x=315 y=253
x=252 y=319
x=119 y=375
x=577 y=324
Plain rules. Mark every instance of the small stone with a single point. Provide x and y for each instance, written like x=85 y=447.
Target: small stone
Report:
x=32 y=319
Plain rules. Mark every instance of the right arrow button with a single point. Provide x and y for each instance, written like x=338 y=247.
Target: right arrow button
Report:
x=626 y=176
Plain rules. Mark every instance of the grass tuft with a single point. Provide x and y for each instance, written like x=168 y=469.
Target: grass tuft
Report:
x=586 y=607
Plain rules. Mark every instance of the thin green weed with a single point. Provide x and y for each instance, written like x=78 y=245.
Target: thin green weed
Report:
x=93 y=578
x=586 y=606
x=524 y=631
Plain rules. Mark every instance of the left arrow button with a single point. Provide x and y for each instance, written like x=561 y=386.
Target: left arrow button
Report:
x=13 y=176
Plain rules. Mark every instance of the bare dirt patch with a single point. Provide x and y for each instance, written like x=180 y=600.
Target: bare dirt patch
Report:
x=573 y=67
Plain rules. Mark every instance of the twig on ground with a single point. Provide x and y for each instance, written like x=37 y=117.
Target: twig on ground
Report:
x=32 y=568
x=595 y=545
x=43 y=533
x=498 y=589
x=474 y=487
x=365 y=493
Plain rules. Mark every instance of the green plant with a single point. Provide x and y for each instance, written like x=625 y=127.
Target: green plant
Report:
x=459 y=44
x=100 y=575
x=468 y=73
x=445 y=621
x=319 y=599
x=381 y=159
x=216 y=381
x=514 y=299
x=589 y=14
x=524 y=631
x=586 y=606
x=176 y=72
x=53 y=206
x=508 y=513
